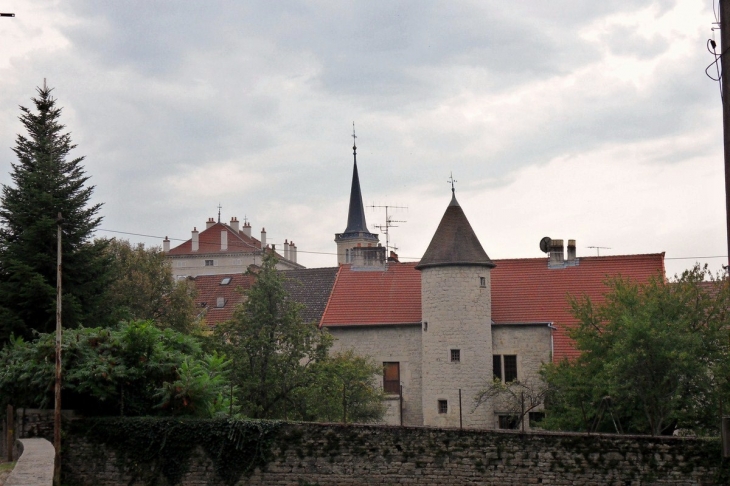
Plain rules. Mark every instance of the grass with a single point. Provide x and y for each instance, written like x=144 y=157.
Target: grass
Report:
x=7 y=466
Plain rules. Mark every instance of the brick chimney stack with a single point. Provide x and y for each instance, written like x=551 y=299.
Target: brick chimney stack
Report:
x=556 y=252
x=234 y=224
x=209 y=223
x=247 y=229
x=166 y=244
x=195 y=240
x=263 y=238
x=571 y=251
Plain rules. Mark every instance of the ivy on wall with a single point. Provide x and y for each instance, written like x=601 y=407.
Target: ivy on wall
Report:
x=149 y=449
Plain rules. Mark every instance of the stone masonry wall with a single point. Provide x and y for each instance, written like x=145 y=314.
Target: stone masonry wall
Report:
x=309 y=454
x=458 y=312
x=400 y=344
x=532 y=346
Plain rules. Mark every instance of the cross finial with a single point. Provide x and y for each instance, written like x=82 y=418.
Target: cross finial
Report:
x=219 y=212
x=452 y=181
x=354 y=144
x=245 y=219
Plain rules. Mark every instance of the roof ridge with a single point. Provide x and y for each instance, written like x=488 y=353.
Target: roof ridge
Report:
x=329 y=298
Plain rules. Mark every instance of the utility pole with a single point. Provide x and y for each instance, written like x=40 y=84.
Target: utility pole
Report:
x=725 y=61
x=57 y=411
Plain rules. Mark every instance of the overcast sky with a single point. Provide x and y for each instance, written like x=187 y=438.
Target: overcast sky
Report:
x=570 y=119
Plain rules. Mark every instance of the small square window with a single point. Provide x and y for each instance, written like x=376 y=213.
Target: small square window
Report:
x=209 y=263
x=508 y=422
x=455 y=355
x=536 y=418
x=483 y=282
x=443 y=406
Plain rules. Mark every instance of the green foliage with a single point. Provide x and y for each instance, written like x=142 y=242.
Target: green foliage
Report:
x=145 y=289
x=280 y=364
x=343 y=389
x=45 y=183
x=152 y=450
x=654 y=358
x=518 y=398
x=133 y=369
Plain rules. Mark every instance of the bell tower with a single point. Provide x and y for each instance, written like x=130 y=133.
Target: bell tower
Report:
x=356 y=235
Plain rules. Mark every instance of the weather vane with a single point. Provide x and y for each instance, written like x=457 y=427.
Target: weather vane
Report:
x=354 y=144
x=452 y=181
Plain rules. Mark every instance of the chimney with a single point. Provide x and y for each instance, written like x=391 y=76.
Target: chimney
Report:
x=393 y=257
x=286 y=250
x=195 y=241
x=263 y=238
x=234 y=224
x=247 y=229
x=571 y=251
x=224 y=240
x=556 y=252
x=209 y=223
x=166 y=245
x=293 y=252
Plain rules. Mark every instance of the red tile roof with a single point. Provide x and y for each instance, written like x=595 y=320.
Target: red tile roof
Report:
x=523 y=291
x=526 y=290
x=375 y=297
x=210 y=289
x=210 y=242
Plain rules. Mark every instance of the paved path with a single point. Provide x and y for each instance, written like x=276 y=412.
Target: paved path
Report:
x=35 y=465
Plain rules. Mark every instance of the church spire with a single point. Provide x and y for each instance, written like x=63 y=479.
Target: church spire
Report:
x=356 y=215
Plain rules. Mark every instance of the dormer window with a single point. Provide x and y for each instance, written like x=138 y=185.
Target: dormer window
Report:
x=226 y=281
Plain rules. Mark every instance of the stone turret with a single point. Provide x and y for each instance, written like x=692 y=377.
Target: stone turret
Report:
x=456 y=331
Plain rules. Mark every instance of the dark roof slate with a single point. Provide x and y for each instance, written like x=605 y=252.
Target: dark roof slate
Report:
x=454 y=243
x=311 y=287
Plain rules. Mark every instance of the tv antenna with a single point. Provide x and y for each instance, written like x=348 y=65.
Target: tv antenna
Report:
x=385 y=228
x=599 y=248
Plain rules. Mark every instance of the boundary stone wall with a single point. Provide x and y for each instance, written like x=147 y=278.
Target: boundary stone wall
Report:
x=332 y=454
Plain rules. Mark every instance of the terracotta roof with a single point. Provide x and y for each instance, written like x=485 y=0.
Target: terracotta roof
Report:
x=210 y=289
x=210 y=242
x=454 y=242
x=526 y=290
x=311 y=287
x=375 y=297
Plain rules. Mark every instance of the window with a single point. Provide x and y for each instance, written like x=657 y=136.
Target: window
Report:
x=220 y=302
x=510 y=368
x=483 y=282
x=497 y=366
x=209 y=263
x=455 y=355
x=536 y=418
x=508 y=422
x=443 y=406
x=347 y=256
x=391 y=377
x=226 y=281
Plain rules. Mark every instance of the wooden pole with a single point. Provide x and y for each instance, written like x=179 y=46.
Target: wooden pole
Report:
x=57 y=411
x=400 y=400
x=725 y=61
x=461 y=424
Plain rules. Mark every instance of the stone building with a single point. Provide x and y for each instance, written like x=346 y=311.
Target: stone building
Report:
x=446 y=326
x=224 y=249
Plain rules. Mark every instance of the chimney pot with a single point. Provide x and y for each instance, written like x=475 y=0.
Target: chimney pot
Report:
x=209 y=223
x=166 y=244
x=234 y=224
x=263 y=238
x=247 y=229
x=194 y=240
x=571 y=251
x=556 y=252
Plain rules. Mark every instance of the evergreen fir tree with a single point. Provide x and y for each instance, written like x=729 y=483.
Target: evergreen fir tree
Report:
x=45 y=183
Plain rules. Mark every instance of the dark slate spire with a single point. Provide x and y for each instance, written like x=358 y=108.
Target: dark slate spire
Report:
x=356 y=215
x=454 y=243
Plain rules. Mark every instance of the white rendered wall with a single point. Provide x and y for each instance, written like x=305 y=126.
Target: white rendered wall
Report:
x=194 y=265
x=458 y=312
x=401 y=344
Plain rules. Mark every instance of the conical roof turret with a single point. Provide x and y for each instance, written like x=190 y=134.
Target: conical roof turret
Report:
x=454 y=243
x=356 y=214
